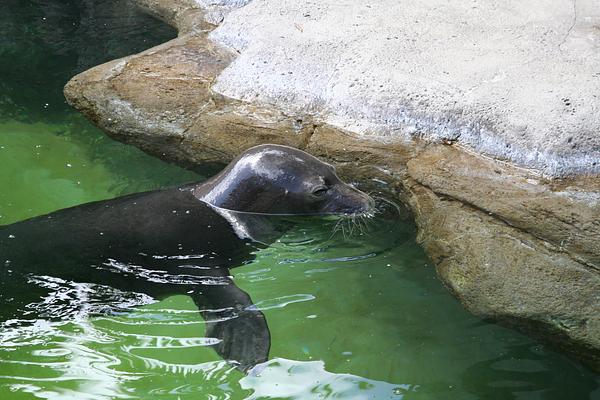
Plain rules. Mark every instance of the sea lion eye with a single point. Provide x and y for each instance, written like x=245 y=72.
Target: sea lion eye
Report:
x=320 y=190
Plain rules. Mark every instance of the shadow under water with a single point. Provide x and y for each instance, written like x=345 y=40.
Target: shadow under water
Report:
x=46 y=42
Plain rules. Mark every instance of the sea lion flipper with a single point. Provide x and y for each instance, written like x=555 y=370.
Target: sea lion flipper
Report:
x=232 y=318
x=244 y=339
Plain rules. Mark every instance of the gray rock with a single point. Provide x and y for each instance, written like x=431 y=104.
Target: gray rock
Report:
x=514 y=80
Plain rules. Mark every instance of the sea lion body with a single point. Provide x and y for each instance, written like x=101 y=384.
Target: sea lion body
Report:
x=140 y=242
x=175 y=241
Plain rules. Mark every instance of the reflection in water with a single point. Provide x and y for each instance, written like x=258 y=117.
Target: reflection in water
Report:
x=526 y=377
x=309 y=380
x=76 y=300
x=46 y=42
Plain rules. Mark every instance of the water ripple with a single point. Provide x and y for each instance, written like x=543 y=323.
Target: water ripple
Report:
x=309 y=380
x=280 y=302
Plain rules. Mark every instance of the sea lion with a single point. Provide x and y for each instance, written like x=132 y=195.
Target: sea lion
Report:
x=175 y=241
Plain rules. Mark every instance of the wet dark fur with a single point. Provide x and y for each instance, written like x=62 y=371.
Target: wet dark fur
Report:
x=168 y=242
x=135 y=243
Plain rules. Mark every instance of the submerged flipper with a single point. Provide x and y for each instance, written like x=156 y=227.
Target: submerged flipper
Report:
x=244 y=337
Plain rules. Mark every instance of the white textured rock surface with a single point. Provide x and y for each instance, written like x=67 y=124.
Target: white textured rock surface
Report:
x=515 y=80
x=216 y=10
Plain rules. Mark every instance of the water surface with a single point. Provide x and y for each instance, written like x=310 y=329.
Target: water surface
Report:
x=359 y=317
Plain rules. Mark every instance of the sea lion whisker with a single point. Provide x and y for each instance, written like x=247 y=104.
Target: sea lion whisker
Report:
x=356 y=227
x=348 y=223
x=344 y=234
x=359 y=227
x=396 y=206
x=335 y=229
x=351 y=226
x=357 y=223
x=363 y=223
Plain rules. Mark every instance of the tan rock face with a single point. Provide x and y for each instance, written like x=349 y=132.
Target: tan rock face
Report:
x=566 y=214
x=510 y=245
x=509 y=275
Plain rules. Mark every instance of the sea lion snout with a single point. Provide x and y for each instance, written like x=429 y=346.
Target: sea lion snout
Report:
x=348 y=200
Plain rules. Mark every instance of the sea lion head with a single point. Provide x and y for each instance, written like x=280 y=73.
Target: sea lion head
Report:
x=275 y=179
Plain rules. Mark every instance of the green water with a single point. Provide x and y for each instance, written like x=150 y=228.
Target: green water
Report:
x=351 y=318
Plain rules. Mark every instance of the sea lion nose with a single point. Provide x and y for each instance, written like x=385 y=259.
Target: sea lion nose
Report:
x=354 y=201
x=367 y=203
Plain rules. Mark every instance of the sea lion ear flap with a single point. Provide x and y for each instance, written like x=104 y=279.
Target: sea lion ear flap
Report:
x=241 y=329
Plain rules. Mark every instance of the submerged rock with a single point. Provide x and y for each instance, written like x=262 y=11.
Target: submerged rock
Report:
x=467 y=123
